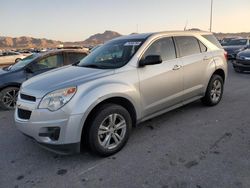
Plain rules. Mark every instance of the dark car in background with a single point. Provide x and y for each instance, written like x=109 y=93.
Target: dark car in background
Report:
x=12 y=77
x=225 y=41
x=235 y=46
x=242 y=62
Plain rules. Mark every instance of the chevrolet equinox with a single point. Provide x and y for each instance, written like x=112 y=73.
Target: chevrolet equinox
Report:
x=128 y=80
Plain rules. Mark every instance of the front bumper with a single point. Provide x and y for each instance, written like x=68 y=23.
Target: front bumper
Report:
x=243 y=64
x=41 y=123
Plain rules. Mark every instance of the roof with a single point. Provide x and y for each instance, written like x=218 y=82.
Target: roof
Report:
x=60 y=50
x=146 y=35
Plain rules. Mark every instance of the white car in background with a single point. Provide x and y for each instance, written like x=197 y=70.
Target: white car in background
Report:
x=7 y=58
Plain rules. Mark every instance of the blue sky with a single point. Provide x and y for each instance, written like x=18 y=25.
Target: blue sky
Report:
x=72 y=20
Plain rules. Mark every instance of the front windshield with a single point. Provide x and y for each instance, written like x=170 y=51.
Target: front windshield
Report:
x=22 y=63
x=237 y=42
x=112 y=55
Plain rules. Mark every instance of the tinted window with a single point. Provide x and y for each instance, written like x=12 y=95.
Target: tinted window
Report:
x=202 y=47
x=12 y=53
x=50 y=62
x=237 y=42
x=212 y=39
x=163 y=47
x=75 y=57
x=187 y=45
x=23 y=62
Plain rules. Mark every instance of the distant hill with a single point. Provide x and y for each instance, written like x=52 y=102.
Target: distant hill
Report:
x=100 y=38
x=27 y=42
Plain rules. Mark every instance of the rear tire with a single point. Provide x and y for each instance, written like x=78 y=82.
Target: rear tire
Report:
x=8 y=97
x=109 y=130
x=214 y=91
x=18 y=59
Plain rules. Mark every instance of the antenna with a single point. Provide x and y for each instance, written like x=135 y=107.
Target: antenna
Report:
x=185 y=28
x=211 y=16
x=137 y=26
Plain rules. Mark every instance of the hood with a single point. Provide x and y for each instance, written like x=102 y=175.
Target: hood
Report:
x=61 y=78
x=245 y=53
x=2 y=72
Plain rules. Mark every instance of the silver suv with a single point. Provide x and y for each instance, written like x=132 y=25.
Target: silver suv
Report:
x=127 y=80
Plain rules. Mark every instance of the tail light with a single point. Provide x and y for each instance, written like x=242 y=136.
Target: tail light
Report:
x=225 y=55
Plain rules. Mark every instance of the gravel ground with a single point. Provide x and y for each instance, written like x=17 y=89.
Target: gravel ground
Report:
x=193 y=146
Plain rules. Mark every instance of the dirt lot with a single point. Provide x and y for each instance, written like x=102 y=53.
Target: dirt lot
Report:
x=194 y=146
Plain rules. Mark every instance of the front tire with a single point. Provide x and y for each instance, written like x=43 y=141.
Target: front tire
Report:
x=214 y=91
x=8 y=98
x=109 y=130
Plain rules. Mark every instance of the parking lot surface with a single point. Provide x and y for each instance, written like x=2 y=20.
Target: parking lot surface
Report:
x=193 y=146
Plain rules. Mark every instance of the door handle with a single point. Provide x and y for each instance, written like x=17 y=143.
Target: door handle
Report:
x=177 y=67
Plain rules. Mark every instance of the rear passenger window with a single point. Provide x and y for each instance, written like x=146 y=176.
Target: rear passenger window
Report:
x=163 y=47
x=187 y=45
x=75 y=57
x=202 y=47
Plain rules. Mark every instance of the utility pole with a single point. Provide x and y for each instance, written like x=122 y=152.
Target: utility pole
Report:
x=211 y=16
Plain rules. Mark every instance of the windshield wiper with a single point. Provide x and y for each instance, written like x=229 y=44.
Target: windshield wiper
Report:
x=92 y=66
x=76 y=63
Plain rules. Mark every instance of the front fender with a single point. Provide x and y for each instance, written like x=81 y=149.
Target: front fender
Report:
x=86 y=99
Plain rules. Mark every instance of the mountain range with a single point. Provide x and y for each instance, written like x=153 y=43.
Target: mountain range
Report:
x=99 y=38
x=30 y=42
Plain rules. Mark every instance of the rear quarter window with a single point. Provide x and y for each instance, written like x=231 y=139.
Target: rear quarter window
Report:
x=212 y=39
x=74 y=57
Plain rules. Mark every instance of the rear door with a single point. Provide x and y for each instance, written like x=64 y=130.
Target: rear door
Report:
x=195 y=60
x=46 y=63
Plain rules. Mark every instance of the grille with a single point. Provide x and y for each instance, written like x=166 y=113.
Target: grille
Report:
x=24 y=114
x=243 y=62
x=28 y=97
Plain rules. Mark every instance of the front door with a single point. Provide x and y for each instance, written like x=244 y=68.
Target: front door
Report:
x=161 y=85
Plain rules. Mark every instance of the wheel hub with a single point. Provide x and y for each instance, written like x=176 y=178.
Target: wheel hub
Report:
x=112 y=131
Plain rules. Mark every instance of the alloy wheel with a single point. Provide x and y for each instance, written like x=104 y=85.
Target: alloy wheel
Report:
x=10 y=98
x=216 y=91
x=112 y=131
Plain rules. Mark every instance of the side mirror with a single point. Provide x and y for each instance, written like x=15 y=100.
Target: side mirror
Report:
x=150 y=60
x=28 y=70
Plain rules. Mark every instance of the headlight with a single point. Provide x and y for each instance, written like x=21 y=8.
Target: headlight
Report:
x=57 y=99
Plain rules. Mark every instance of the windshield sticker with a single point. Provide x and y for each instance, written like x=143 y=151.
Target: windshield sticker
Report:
x=136 y=43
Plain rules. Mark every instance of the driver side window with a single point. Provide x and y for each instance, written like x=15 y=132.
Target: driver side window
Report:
x=50 y=62
x=163 y=47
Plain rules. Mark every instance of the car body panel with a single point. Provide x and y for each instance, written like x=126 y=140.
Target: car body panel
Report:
x=17 y=77
x=10 y=59
x=243 y=60
x=152 y=90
